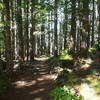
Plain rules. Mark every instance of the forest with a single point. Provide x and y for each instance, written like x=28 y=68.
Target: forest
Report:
x=49 y=49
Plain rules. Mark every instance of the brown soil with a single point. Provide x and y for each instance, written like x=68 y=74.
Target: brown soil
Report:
x=34 y=83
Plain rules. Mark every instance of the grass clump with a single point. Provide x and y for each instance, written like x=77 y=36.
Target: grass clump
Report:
x=63 y=93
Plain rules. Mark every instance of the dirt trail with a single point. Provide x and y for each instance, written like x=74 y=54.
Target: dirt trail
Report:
x=35 y=83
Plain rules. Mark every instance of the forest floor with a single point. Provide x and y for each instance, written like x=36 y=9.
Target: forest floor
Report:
x=87 y=79
x=34 y=83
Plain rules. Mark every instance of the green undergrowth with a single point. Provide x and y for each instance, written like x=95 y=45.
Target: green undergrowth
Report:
x=95 y=72
x=54 y=61
x=66 y=55
x=94 y=48
x=90 y=84
x=97 y=46
x=65 y=59
x=85 y=75
x=68 y=78
x=64 y=93
x=67 y=52
x=5 y=82
x=90 y=88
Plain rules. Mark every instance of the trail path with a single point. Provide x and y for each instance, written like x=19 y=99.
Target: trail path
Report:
x=35 y=83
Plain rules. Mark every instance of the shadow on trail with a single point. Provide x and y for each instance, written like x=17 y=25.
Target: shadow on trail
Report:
x=34 y=84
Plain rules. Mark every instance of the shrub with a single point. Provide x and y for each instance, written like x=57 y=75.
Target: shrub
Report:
x=66 y=57
x=67 y=52
x=63 y=93
x=93 y=49
x=66 y=61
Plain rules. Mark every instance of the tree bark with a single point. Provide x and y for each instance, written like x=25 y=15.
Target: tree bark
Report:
x=49 y=36
x=8 y=38
x=32 y=37
x=73 y=25
x=65 y=24
x=20 y=31
x=26 y=32
x=93 y=15
x=98 y=4
x=84 y=46
x=12 y=29
x=55 y=29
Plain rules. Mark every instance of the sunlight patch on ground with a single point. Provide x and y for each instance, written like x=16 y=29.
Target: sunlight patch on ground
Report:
x=57 y=69
x=48 y=77
x=54 y=77
x=87 y=64
x=86 y=91
x=42 y=58
x=37 y=91
x=90 y=89
x=20 y=84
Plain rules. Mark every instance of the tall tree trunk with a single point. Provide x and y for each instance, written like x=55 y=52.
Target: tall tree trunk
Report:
x=49 y=36
x=73 y=25
x=26 y=34
x=79 y=27
x=61 y=42
x=8 y=38
x=32 y=37
x=55 y=29
x=93 y=15
x=65 y=24
x=84 y=47
x=20 y=31
x=38 y=45
x=12 y=29
x=98 y=4
x=42 y=38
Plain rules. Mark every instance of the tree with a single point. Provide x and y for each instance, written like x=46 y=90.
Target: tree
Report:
x=65 y=24
x=93 y=16
x=8 y=37
x=84 y=47
x=43 y=37
x=32 y=37
x=12 y=28
x=55 y=29
x=26 y=26
x=73 y=25
x=20 y=31
x=79 y=27
x=98 y=4
x=49 y=44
